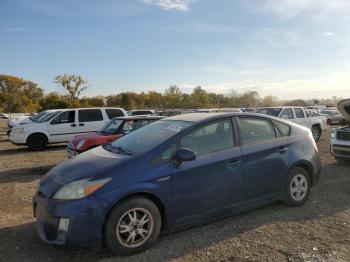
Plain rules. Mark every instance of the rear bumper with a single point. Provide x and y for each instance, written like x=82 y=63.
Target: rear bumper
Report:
x=86 y=219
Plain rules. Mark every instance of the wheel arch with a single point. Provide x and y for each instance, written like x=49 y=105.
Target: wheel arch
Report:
x=307 y=167
x=37 y=133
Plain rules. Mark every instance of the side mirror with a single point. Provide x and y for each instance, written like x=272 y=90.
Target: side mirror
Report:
x=182 y=155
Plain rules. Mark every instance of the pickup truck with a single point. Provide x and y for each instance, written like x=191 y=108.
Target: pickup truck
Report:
x=317 y=124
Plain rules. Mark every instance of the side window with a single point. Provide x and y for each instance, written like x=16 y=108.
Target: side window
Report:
x=283 y=128
x=299 y=113
x=66 y=117
x=90 y=115
x=114 y=113
x=254 y=130
x=165 y=156
x=210 y=138
x=287 y=114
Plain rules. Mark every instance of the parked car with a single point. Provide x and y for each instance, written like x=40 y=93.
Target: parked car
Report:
x=229 y=109
x=317 y=124
x=112 y=131
x=179 y=171
x=340 y=138
x=333 y=116
x=3 y=116
x=142 y=112
x=62 y=125
x=167 y=113
x=30 y=119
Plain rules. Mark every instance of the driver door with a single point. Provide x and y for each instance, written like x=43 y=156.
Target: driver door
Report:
x=63 y=127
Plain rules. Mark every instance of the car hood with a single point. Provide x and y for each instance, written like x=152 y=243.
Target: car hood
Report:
x=92 y=164
x=344 y=108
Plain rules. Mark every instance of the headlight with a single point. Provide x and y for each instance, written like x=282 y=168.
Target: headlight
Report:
x=19 y=130
x=333 y=134
x=79 y=189
x=80 y=144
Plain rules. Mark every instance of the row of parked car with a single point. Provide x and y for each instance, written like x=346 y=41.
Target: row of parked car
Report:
x=156 y=174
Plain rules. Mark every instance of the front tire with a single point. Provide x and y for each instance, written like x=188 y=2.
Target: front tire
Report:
x=37 y=142
x=297 y=187
x=132 y=226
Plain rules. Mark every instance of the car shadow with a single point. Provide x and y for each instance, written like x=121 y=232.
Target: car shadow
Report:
x=23 y=175
x=324 y=201
x=15 y=151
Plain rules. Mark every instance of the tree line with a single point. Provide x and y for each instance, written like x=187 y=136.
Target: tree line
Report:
x=19 y=95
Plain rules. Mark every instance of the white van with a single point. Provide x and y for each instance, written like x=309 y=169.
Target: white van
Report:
x=62 y=125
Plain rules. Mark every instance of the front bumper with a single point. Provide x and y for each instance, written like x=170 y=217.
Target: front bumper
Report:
x=340 y=148
x=18 y=138
x=86 y=219
x=71 y=152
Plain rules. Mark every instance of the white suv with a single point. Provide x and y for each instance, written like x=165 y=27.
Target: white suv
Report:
x=62 y=125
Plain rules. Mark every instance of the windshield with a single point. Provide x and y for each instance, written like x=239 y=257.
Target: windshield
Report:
x=148 y=137
x=330 y=112
x=111 y=127
x=38 y=116
x=270 y=111
x=48 y=117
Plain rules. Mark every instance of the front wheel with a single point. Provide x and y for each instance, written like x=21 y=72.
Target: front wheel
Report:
x=37 y=142
x=316 y=132
x=132 y=226
x=297 y=187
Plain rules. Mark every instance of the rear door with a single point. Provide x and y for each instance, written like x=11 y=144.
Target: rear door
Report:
x=300 y=117
x=265 y=157
x=90 y=120
x=215 y=178
x=63 y=127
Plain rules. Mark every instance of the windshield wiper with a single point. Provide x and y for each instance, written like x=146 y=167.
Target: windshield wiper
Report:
x=124 y=151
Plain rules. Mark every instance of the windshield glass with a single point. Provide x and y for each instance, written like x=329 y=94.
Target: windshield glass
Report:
x=48 y=117
x=148 y=137
x=111 y=127
x=38 y=116
x=270 y=111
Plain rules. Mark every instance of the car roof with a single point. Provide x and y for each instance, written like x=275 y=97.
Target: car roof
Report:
x=199 y=117
x=139 y=117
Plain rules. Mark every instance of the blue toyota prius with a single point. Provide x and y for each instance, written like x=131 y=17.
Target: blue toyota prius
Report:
x=179 y=171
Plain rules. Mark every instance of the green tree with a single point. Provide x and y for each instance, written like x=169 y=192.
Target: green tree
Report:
x=73 y=84
x=200 y=98
x=18 y=95
x=172 y=97
x=53 y=100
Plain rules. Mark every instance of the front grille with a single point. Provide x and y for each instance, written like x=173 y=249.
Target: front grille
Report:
x=341 y=135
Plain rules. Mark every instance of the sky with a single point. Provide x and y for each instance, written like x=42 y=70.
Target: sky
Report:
x=286 y=48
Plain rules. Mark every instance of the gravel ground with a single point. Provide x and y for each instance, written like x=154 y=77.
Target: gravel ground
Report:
x=317 y=231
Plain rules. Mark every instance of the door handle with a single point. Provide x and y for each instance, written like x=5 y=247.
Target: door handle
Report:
x=73 y=125
x=282 y=149
x=81 y=124
x=234 y=163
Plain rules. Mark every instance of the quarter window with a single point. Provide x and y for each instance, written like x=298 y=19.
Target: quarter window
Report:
x=90 y=115
x=255 y=130
x=283 y=128
x=299 y=113
x=210 y=138
x=287 y=114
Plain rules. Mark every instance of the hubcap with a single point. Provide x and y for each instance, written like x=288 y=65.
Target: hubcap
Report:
x=315 y=133
x=299 y=187
x=134 y=227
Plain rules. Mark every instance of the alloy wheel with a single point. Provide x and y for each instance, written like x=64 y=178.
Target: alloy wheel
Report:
x=299 y=187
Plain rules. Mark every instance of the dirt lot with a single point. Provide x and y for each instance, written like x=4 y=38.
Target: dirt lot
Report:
x=317 y=231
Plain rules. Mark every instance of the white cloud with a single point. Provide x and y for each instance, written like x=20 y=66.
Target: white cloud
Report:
x=292 y=8
x=180 y=5
x=328 y=34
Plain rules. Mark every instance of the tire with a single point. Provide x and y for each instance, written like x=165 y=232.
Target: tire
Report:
x=294 y=194
x=316 y=132
x=119 y=226
x=37 y=142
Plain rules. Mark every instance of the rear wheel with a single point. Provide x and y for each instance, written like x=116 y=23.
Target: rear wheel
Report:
x=132 y=226
x=37 y=142
x=297 y=187
x=316 y=132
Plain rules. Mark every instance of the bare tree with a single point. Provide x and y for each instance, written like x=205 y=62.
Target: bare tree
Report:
x=73 y=84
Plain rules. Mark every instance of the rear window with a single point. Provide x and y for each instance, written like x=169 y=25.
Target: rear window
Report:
x=114 y=113
x=283 y=128
x=90 y=115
